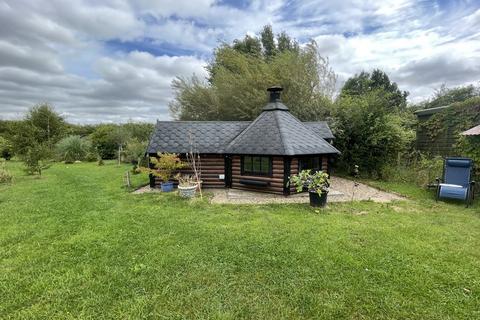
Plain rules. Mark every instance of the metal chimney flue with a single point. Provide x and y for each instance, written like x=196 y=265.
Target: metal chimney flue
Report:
x=275 y=93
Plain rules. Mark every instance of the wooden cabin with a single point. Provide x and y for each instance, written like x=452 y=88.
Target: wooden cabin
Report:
x=255 y=155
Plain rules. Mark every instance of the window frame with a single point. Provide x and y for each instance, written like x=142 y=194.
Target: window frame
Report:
x=251 y=172
x=304 y=158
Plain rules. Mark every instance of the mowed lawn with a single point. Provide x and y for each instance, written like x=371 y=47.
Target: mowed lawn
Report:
x=75 y=244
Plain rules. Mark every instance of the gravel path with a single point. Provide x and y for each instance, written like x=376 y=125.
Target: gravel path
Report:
x=340 y=190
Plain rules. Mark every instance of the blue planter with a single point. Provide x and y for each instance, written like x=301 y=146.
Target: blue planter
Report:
x=166 y=186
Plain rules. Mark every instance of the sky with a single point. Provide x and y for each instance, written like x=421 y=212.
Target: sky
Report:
x=114 y=60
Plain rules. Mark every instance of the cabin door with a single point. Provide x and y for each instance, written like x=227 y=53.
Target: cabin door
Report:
x=228 y=171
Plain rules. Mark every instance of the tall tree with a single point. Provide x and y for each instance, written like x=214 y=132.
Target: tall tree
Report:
x=42 y=125
x=268 y=41
x=364 y=83
x=237 y=82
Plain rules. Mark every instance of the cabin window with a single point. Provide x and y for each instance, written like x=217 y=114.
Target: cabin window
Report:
x=256 y=166
x=310 y=163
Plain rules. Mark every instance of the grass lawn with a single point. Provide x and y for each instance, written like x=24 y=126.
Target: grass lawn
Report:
x=75 y=244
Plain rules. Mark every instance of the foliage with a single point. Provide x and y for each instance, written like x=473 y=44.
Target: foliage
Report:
x=73 y=148
x=165 y=164
x=416 y=169
x=105 y=140
x=314 y=182
x=240 y=73
x=135 y=150
x=6 y=148
x=378 y=80
x=163 y=257
x=445 y=96
x=5 y=175
x=36 y=159
x=109 y=140
x=469 y=146
x=458 y=117
x=42 y=125
x=368 y=134
x=186 y=180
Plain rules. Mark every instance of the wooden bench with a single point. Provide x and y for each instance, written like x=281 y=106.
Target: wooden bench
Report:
x=255 y=183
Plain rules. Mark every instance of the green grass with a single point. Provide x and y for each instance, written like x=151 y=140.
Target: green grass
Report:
x=75 y=244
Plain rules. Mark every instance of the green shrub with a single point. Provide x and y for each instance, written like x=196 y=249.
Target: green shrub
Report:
x=36 y=159
x=417 y=169
x=5 y=175
x=72 y=148
x=368 y=134
x=469 y=146
x=6 y=149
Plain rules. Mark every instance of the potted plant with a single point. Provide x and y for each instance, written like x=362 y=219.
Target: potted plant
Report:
x=163 y=167
x=187 y=186
x=316 y=184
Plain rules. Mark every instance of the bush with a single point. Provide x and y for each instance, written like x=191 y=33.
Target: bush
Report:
x=35 y=159
x=369 y=135
x=5 y=175
x=72 y=148
x=417 y=169
x=469 y=146
x=135 y=151
x=6 y=149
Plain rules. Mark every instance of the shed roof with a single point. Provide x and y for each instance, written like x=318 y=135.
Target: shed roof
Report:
x=430 y=111
x=475 y=131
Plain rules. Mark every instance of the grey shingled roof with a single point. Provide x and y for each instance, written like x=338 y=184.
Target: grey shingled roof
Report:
x=208 y=136
x=321 y=128
x=278 y=132
x=275 y=132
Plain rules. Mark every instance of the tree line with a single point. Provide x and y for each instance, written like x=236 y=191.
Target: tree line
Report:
x=43 y=135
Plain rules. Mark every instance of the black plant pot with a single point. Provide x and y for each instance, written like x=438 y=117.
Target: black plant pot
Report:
x=318 y=200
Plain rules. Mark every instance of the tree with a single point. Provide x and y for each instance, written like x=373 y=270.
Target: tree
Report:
x=103 y=140
x=364 y=83
x=445 y=96
x=50 y=126
x=42 y=125
x=238 y=79
x=249 y=45
x=36 y=159
x=368 y=134
x=268 y=42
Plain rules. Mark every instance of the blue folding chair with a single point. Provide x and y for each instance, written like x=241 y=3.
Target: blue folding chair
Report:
x=456 y=183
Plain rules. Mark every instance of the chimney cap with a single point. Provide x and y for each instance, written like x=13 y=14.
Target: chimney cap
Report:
x=275 y=89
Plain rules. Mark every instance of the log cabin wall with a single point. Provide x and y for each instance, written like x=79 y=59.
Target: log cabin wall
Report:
x=211 y=165
x=275 y=182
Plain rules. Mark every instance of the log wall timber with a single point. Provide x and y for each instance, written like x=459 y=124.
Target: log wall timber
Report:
x=211 y=165
x=275 y=181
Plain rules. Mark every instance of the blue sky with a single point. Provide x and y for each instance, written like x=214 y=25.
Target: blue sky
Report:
x=114 y=60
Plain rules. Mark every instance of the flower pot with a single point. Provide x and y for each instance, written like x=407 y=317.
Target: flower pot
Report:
x=166 y=186
x=317 y=200
x=187 y=192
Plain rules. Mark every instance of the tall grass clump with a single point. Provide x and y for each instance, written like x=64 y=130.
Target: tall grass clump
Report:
x=73 y=148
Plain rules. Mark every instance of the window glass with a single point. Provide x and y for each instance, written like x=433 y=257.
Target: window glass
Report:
x=310 y=163
x=256 y=165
